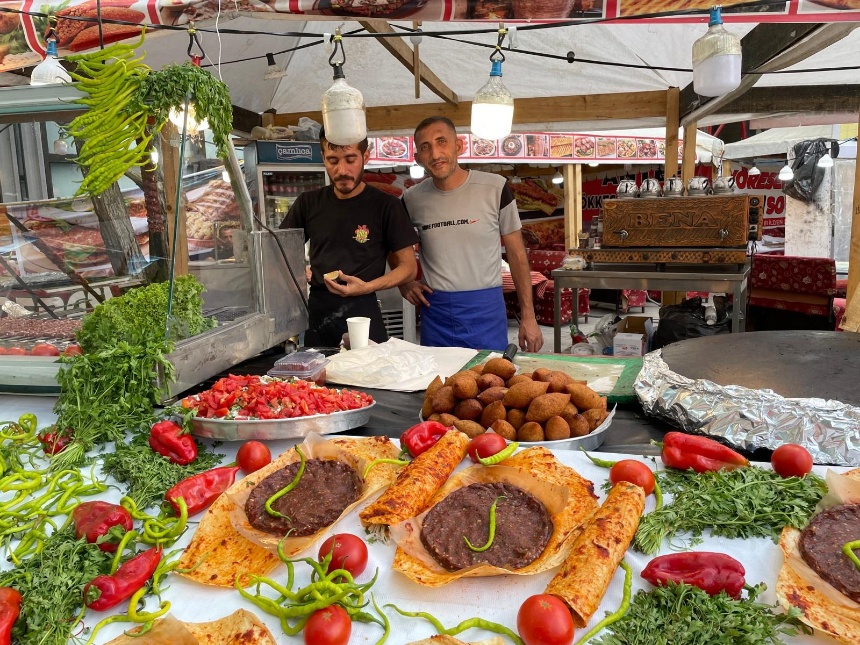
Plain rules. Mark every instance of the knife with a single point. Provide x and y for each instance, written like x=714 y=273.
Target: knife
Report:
x=510 y=352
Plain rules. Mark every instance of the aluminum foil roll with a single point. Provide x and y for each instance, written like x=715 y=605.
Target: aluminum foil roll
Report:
x=750 y=419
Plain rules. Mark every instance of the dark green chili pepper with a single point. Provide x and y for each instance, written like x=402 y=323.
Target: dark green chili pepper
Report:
x=658 y=493
x=622 y=609
x=492 y=534
x=396 y=462
x=503 y=454
x=286 y=489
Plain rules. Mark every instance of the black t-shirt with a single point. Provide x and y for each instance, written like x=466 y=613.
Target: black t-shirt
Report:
x=352 y=235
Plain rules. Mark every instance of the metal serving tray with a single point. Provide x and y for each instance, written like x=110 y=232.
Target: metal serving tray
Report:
x=592 y=441
x=243 y=429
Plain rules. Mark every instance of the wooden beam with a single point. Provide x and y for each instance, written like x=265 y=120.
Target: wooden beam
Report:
x=688 y=164
x=851 y=319
x=812 y=98
x=245 y=120
x=403 y=53
x=171 y=165
x=673 y=121
x=572 y=204
x=590 y=107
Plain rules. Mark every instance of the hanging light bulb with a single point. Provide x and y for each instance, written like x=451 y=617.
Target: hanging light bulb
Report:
x=515 y=179
x=826 y=161
x=786 y=173
x=177 y=118
x=272 y=71
x=752 y=172
x=493 y=105
x=593 y=164
x=716 y=59
x=342 y=105
x=416 y=171
x=557 y=178
x=50 y=71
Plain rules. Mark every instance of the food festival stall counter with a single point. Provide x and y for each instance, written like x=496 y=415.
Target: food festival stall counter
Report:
x=494 y=599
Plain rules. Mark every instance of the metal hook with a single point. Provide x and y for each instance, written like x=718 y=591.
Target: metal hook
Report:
x=193 y=40
x=498 y=54
x=337 y=41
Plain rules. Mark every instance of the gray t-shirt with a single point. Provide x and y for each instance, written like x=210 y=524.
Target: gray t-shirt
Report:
x=460 y=230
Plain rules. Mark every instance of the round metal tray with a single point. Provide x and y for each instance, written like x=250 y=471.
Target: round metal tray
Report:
x=243 y=429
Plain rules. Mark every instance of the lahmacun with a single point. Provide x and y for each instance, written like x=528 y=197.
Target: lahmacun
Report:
x=537 y=464
x=224 y=547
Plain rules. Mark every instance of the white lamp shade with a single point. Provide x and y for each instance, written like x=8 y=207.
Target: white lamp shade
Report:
x=416 y=171
x=343 y=114
x=716 y=59
x=826 y=161
x=786 y=173
x=752 y=172
x=557 y=178
x=493 y=107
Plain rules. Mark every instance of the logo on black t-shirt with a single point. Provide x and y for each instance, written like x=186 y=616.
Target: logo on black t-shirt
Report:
x=361 y=234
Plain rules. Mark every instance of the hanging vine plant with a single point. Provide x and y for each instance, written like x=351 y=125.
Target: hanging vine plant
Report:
x=166 y=89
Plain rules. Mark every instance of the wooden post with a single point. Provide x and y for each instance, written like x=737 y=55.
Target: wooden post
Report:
x=851 y=320
x=171 y=166
x=572 y=205
x=688 y=164
x=416 y=63
x=673 y=120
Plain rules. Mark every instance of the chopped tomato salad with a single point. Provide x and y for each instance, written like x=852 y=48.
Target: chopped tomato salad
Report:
x=265 y=397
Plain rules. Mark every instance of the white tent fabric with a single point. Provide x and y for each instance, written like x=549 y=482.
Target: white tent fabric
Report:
x=776 y=141
x=464 y=67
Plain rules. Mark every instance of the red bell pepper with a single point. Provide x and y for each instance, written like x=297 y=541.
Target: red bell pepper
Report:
x=422 y=436
x=10 y=608
x=200 y=490
x=710 y=572
x=54 y=441
x=104 y=591
x=170 y=440
x=685 y=451
x=94 y=519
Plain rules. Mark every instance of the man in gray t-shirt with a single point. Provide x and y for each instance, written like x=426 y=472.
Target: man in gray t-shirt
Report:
x=462 y=217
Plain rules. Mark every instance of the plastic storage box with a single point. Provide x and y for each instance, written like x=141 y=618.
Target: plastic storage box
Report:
x=309 y=366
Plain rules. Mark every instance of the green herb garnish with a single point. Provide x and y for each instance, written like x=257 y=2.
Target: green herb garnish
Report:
x=740 y=503
x=147 y=474
x=685 y=615
x=51 y=584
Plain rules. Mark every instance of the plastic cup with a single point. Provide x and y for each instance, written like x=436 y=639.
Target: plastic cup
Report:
x=359 y=330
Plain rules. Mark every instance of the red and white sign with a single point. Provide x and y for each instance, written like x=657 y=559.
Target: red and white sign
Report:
x=769 y=187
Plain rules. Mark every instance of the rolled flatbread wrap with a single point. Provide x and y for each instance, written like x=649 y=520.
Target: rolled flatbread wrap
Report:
x=417 y=482
x=585 y=575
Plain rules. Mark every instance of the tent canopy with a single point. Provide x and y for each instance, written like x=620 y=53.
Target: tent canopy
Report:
x=780 y=141
x=465 y=67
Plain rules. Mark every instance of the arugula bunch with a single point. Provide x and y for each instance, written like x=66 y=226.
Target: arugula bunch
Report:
x=680 y=614
x=741 y=503
x=51 y=585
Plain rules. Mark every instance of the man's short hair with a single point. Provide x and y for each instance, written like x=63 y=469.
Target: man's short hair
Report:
x=361 y=145
x=430 y=120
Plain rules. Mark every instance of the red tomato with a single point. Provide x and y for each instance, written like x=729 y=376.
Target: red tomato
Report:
x=349 y=552
x=791 y=460
x=73 y=350
x=545 y=620
x=486 y=445
x=252 y=456
x=635 y=472
x=16 y=351
x=329 y=626
x=44 y=349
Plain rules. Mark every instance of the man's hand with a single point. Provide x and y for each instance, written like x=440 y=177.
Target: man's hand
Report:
x=352 y=286
x=531 y=338
x=414 y=292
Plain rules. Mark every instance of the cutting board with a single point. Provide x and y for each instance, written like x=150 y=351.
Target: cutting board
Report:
x=607 y=375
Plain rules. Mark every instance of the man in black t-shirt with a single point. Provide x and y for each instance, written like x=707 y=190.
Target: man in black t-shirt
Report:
x=353 y=230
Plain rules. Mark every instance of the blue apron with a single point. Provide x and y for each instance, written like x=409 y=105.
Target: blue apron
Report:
x=473 y=319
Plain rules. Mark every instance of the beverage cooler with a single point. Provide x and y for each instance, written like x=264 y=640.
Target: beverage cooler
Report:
x=282 y=170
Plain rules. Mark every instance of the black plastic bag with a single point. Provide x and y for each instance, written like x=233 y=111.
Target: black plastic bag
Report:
x=687 y=320
x=807 y=175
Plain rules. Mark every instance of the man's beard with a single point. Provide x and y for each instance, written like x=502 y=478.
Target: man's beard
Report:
x=354 y=184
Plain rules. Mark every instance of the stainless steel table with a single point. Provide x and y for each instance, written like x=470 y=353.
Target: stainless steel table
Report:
x=714 y=279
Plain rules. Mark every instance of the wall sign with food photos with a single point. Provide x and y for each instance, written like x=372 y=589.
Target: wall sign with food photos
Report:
x=536 y=146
